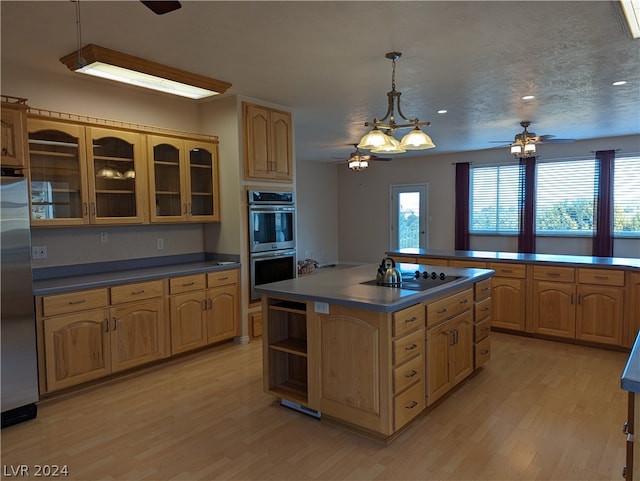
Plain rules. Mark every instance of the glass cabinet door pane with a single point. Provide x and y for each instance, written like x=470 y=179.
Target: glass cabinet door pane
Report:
x=166 y=166
x=56 y=180
x=201 y=174
x=114 y=178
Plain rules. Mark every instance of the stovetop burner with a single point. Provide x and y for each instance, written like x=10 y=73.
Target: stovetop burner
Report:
x=418 y=280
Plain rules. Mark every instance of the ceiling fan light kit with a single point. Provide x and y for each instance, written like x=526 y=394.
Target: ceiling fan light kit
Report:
x=380 y=140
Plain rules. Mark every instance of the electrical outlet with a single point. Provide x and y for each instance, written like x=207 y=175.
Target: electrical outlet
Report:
x=159 y=243
x=104 y=238
x=39 y=252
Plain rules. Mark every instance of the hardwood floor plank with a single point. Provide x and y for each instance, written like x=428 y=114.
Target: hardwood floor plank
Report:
x=538 y=410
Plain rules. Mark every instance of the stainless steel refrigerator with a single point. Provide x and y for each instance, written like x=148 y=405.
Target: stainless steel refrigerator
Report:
x=18 y=356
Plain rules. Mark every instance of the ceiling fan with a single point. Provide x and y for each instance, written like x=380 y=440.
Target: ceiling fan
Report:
x=525 y=142
x=162 y=7
x=359 y=161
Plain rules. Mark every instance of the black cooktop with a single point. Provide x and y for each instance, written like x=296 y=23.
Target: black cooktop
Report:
x=418 y=280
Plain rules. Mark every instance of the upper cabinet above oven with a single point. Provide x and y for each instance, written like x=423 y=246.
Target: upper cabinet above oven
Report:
x=268 y=146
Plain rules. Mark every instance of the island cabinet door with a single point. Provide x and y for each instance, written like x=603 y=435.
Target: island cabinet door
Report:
x=350 y=371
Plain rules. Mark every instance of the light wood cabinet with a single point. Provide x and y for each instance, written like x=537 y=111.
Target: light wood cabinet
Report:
x=183 y=180
x=204 y=309
x=188 y=313
x=483 y=319
x=77 y=348
x=449 y=348
x=599 y=314
x=14 y=134
x=554 y=309
x=86 y=337
x=267 y=143
x=509 y=295
x=85 y=175
x=632 y=308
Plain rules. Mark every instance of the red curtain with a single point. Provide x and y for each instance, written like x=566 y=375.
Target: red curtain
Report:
x=527 y=199
x=462 y=240
x=603 y=210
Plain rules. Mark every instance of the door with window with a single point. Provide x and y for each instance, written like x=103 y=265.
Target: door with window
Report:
x=409 y=214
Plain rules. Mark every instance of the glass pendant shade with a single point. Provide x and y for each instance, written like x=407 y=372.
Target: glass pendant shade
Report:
x=516 y=149
x=356 y=164
x=416 y=140
x=529 y=148
x=375 y=138
x=130 y=174
x=391 y=147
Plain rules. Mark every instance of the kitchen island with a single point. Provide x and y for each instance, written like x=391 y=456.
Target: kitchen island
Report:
x=372 y=358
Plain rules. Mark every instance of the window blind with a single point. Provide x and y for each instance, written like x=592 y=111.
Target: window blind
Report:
x=493 y=202
x=626 y=196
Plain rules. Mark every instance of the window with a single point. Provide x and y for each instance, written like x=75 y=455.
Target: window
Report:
x=565 y=193
x=626 y=196
x=494 y=199
x=408 y=216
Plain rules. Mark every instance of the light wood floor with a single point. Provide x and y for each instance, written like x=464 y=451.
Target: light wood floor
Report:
x=538 y=410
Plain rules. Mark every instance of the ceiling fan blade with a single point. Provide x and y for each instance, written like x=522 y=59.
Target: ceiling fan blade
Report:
x=161 y=7
x=375 y=158
x=500 y=141
x=559 y=141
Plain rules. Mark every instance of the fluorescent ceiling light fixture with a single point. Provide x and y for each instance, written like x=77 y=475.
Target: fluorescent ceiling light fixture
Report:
x=121 y=67
x=631 y=10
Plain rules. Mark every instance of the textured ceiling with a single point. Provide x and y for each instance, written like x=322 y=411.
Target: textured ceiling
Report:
x=325 y=60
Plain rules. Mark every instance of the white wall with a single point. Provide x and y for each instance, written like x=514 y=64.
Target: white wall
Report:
x=363 y=201
x=317 y=205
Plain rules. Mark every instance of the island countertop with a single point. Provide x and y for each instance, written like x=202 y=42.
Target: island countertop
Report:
x=631 y=375
x=344 y=287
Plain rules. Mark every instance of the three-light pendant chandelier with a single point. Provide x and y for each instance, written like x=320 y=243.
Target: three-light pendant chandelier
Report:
x=380 y=138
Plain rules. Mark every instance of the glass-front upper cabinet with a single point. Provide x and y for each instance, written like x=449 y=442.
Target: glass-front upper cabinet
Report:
x=116 y=176
x=57 y=173
x=203 y=181
x=183 y=180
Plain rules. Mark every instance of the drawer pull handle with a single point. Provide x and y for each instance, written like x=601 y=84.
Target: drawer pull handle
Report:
x=484 y=351
x=553 y=274
x=508 y=271
x=223 y=278
x=114 y=323
x=602 y=278
x=135 y=293
x=187 y=284
x=412 y=319
x=411 y=347
x=412 y=405
x=484 y=309
x=484 y=289
x=410 y=374
x=442 y=311
x=73 y=303
x=464 y=301
x=106 y=325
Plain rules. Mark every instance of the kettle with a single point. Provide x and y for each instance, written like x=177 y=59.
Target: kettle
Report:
x=388 y=274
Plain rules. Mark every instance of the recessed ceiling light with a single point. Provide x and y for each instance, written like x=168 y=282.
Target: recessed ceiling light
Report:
x=528 y=97
x=442 y=111
x=619 y=82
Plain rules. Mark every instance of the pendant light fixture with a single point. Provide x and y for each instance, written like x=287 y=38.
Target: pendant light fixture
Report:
x=524 y=143
x=380 y=140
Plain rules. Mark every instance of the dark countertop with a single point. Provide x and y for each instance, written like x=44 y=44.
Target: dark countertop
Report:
x=58 y=280
x=631 y=374
x=343 y=287
x=624 y=262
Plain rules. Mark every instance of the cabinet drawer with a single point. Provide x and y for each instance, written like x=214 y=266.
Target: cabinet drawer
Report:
x=407 y=346
x=186 y=283
x=406 y=260
x=483 y=289
x=135 y=292
x=483 y=310
x=408 y=319
x=601 y=276
x=408 y=373
x=74 y=301
x=222 y=278
x=408 y=405
x=509 y=270
x=432 y=262
x=449 y=307
x=551 y=273
x=482 y=352
x=482 y=330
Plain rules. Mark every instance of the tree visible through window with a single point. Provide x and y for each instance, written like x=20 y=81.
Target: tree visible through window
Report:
x=626 y=196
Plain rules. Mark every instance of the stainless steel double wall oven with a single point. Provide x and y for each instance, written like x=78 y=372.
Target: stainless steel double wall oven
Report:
x=272 y=237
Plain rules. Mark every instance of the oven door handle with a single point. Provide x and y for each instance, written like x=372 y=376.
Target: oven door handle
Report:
x=271 y=208
x=262 y=255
